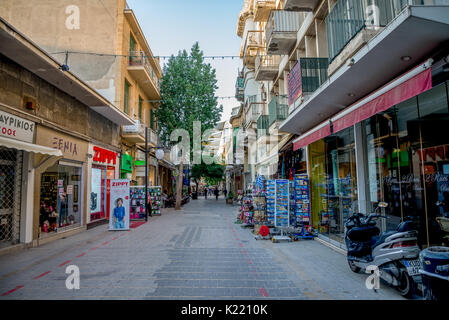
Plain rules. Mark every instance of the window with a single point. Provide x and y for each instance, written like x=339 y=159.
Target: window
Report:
x=140 y=109
x=151 y=119
x=126 y=98
x=132 y=46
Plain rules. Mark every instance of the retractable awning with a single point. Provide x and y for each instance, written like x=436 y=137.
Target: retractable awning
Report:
x=29 y=147
x=399 y=90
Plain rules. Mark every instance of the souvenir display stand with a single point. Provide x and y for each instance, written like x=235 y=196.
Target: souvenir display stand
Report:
x=282 y=205
x=155 y=193
x=247 y=210
x=137 y=202
x=271 y=201
x=260 y=212
x=302 y=205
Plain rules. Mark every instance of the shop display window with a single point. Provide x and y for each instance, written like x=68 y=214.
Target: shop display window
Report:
x=333 y=182
x=408 y=164
x=60 y=198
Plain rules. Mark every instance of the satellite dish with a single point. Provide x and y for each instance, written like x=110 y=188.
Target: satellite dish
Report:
x=159 y=154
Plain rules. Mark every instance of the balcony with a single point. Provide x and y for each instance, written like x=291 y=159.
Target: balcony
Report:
x=277 y=110
x=267 y=67
x=262 y=9
x=354 y=20
x=254 y=110
x=254 y=42
x=135 y=134
x=306 y=76
x=140 y=68
x=262 y=126
x=281 y=31
x=300 y=5
x=239 y=87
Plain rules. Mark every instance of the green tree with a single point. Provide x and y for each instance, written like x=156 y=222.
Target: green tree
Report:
x=212 y=173
x=188 y=94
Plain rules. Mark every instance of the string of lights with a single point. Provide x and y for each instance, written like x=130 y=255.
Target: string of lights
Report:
x=127 y=55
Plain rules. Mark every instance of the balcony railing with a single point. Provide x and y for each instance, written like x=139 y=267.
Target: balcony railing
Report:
x=262 y=9
x=281 y=30
x=267 y=66
x=254 y=42
x=262 y=125
x=277 y=109
x=139 y=58
x=138 y=128
x=348 y=17
x=254 y=109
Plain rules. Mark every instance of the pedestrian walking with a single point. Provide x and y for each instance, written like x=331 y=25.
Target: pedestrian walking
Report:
x=149 y=206
x=216 y=193
x=205 y=193
x=225 y=192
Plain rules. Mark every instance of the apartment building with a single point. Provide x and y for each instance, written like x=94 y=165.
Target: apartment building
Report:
x=367 y=90
x=102 y=43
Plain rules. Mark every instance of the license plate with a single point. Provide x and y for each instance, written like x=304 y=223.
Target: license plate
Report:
x=412 y=266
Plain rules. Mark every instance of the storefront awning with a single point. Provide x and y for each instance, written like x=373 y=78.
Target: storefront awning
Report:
x=399 y=90
x=29 y=147
x=319 y=132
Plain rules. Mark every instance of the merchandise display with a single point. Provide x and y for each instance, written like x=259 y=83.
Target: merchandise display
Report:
x=271 y=200
x=247 y=210
x=137 y=204
x=260 y=209
x=155 y=193
x=302 y=199
x=282 y=214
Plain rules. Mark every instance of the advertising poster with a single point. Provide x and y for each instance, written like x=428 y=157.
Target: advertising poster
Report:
x=96 y=193
x=119 y=205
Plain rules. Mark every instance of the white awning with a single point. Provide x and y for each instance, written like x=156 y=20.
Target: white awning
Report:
x=29 y=147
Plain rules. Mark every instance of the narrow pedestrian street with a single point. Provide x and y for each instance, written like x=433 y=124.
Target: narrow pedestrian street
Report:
x=196 y=253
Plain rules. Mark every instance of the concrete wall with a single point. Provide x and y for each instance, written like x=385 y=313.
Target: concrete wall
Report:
x=54 y=105
x=53 y=26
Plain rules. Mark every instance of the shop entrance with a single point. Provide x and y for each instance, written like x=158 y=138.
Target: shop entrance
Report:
x=10 y=195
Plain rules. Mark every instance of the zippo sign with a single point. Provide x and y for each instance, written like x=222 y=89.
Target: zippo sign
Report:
x=16 y=128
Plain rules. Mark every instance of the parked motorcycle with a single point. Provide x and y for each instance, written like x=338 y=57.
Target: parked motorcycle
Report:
x=435 y=273
x=395 y=253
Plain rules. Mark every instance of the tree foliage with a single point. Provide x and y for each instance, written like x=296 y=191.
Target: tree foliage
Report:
x=188 y=94
x=212 y=173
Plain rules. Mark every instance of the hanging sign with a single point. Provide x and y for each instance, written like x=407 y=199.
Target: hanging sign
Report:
x=119 y=205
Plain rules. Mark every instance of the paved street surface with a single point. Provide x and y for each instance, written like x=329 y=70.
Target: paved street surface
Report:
x=196 y=253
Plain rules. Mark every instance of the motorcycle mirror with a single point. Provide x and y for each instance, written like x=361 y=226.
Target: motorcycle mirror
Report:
x=439 y=203
x=383 y=204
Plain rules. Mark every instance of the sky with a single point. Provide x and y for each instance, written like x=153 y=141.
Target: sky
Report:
x=173 y=25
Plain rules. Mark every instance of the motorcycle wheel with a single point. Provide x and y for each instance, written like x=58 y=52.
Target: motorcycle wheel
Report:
x=406 y=288
x=353 y=267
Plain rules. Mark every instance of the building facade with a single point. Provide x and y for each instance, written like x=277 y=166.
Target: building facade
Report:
x=103 y=44
x=50 y=120
x=367 y=98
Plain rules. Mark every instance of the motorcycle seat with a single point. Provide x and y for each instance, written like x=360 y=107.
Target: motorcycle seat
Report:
x=383 y=236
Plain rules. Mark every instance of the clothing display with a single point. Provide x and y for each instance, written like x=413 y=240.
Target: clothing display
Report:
x=155 y=194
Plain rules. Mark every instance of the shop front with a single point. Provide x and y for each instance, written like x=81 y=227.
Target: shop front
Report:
x=17 y=149
x=61 y=185
x=391 y=146
x=104 y=165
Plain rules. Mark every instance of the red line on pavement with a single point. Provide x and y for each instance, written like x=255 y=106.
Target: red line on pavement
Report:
x=237 y=239
x=105 y=243
x=115 y=238
x=244 y=251
x=263 y=292
x=249 y=261
x=40 y=276
x=64 y=263
x=80 y=255
x=94 y=248
x=11 y=291
x=240 y=244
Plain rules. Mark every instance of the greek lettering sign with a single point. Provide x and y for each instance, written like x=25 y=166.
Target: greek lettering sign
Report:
x=16 y=128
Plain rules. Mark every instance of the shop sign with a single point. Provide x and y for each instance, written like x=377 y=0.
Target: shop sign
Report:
x=104 y=156
x=119 y=205
x=127 y=163
x=71 y=148
x=139 y=163
x=435 y=153
x=16 y=128
x=294 y=83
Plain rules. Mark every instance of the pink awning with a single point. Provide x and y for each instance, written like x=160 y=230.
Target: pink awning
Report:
x=319 y=132
x=407 y=89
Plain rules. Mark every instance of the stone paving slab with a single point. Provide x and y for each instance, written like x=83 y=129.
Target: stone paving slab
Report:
x=196 y=253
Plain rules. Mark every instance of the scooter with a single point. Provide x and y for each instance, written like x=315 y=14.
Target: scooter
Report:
x=395 y=253
x=435 y=273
